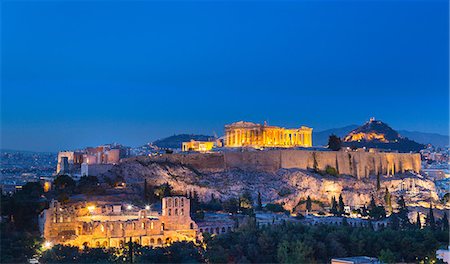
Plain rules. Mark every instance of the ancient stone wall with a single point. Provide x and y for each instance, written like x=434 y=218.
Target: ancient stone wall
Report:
x=357 y=163
x=95 y=226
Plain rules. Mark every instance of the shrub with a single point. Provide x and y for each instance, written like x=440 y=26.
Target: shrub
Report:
x=331 y=171
x=275 y=207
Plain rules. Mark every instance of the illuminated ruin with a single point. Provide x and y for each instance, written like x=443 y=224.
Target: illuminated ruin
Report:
x=248 y=134
x=113 y=225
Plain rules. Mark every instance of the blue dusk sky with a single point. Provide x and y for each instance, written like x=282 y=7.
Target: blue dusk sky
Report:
x=84 y=73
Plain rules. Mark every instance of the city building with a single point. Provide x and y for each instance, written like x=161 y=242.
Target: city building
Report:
x=112 y=225
x=71 y=161
x=248 y=134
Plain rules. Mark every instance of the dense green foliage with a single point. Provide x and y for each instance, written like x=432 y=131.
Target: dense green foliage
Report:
x=296 y=243
x=276 y=208
x=20 y=238
x=179 y=252
x=334 y=142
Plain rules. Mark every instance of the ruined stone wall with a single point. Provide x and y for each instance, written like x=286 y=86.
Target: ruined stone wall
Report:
x=75 y=225
x=359 y=164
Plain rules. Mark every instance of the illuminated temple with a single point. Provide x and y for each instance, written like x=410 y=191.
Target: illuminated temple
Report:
x=248 y=134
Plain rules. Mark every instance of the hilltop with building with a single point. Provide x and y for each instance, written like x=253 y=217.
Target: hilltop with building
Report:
x=379 y=135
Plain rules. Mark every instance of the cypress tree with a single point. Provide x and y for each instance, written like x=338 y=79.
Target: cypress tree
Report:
x=403 y=213
x=145 y=190
x=388 y=201
x=259 y=201
x=337 y=165
x=130 y=251
x=430 y=218
x=445 y=222
x=364 y=211
x=378 y=182
x=334 y=210
x=341 y=205
x=418 y=223
x=395 y=223
x=308 y=204
x=372 y=204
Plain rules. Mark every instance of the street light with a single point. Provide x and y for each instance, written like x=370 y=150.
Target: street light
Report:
x=147 y=207
x=91 y=208
x=47 y=245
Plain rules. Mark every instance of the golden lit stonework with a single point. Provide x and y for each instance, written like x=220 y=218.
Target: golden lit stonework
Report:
x=365 y=136
x=112 y=225
x=200 y=146
x=248 y=134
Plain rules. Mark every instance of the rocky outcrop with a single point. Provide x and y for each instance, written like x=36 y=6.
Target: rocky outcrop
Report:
x=284 y=185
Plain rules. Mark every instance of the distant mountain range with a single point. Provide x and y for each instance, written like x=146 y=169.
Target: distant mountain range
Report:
x=321 y=138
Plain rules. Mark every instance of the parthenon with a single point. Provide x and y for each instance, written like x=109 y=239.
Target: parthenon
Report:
x=248 y=134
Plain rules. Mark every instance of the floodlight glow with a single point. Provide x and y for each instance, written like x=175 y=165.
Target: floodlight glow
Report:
x=47 y=245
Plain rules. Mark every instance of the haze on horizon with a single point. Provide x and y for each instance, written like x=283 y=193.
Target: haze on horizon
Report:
x=79 y=73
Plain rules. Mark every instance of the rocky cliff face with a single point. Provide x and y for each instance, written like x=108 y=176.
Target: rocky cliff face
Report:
x=356 y=163
x=285 y=185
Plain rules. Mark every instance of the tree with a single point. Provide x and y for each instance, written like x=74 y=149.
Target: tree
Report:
x=376 y=212
x=25 y=205
x=430 y=221
x=163 y=190
x=403 y=213
x=334 y=209
x=146 y=195
x=418 y=224
x=259 y=201
x=386 y=256
x=334 y=142
x=294 y=252
x=445 y=222
x=378 y=182
x=341 y=205
x=388 y=201
x=344 y=221
x=372 y=203
x=88 y=185
x=60 y=254
x=364 y=211
x=231 y=205
x=64 y=184
x=308 y=204
x=395 y=222
x=275 y=207
x=246 y=200
x=213 y=204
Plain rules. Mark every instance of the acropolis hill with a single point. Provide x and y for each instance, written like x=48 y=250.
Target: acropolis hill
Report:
x=268 y=159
